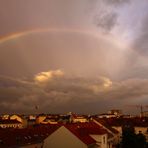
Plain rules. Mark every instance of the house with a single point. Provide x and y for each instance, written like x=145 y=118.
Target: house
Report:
x=78 y=135
x=31 y=137
x=115 y=112
x=139 y=124
x=145 y=114
x=31 y=122
x=16 y=117
x=74 y=118
x=5 y=116
x=10 y=124
x=116 y=134
x=19 y=118
x=40 y=118
x=106 y=115
x=50 y=120
x=32 y=117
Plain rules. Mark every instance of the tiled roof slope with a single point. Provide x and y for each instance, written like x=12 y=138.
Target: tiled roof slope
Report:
x=10 y=138
x=8 y=121
x=84 y=130
x=106 y=124
x=139 y=122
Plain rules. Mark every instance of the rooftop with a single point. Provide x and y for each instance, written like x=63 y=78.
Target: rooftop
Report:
x=84 y=130
x=30 y=135
x=8 y=121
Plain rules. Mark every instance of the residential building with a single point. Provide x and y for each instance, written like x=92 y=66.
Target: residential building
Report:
x=79 y=135
x=40 y=119
x=16 y=117
x=31 y=137
x=74 y=118
x=10 y=124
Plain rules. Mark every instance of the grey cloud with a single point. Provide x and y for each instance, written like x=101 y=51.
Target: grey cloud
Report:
x=106 y=20
x=117 y=2
x=69 y=93
x=107 y=15
x=140 y=44
x=130 y=89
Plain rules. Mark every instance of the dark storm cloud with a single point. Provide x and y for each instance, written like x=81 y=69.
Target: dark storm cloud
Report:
x=107 y=16
x=64 y=93
x=117 y=2
x=141 y=42
x=106 y=20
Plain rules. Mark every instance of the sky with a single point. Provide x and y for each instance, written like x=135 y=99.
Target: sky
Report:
x=83 y=56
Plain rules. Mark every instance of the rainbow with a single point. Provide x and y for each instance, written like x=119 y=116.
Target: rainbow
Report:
x=17 y=35
x=40 y=30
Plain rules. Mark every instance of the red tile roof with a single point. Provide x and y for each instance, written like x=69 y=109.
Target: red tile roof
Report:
x=106 y=125
x=139 y=122
x=84 y=130
x=8 y=121
x=10 y=138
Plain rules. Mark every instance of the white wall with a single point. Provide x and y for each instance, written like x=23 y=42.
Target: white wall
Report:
x=63 y=138
x=101 y=140
x=116 y=139
x=142 y=129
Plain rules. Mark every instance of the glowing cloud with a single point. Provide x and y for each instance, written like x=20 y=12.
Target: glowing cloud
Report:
x=46 y=76
x=107 y=82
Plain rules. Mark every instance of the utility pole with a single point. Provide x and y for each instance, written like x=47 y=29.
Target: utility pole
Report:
x=141 y=108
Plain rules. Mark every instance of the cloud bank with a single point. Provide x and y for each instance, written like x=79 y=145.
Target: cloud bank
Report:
x=59 y=92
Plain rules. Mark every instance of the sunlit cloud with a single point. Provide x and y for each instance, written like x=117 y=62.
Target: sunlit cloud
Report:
x=107 y=82
x=47 y=76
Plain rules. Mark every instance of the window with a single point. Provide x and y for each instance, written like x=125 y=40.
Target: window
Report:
x=104 y=140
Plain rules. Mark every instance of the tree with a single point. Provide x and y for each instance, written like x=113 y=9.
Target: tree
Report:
x=141 y=140
x=128 y=137
x=132 y=140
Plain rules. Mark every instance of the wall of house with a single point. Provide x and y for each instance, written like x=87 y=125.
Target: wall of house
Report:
x=63 y=138
x=82 y=120
x=115 y=140
x=109 y=145
x=118 y=128
x=5 y=117
x=11 y=125
x=142 y=129
x=101 y=140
